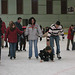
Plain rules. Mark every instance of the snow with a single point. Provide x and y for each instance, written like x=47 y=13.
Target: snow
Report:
x=23 y=66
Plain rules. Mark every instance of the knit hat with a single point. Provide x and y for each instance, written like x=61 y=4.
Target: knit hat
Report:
x=48 y=48
x=58 y=23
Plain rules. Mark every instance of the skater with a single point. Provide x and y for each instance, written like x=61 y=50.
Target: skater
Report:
x=33 y=31
x=0 y=37
x=70 y=36
x=11 y=34
x=23 y=40
x=19 y=26
x=46 y=54
x=53 y=34
x=3 y=29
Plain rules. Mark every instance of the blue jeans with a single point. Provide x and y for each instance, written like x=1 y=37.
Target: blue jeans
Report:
x=56 y=38
x=12 y=49
x=35 y=48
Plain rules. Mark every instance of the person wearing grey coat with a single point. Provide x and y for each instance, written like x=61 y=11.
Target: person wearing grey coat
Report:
x=33 y=31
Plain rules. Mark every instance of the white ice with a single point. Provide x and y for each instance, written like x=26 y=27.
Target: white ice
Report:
x=23 y=66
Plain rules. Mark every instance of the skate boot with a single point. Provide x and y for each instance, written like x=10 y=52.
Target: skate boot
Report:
x=58 y=56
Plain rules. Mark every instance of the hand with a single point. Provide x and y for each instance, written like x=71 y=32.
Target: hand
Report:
x=40 y=38
x=63 y=37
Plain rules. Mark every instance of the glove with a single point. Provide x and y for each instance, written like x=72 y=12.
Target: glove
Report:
x=40 y=38
x=63 y=37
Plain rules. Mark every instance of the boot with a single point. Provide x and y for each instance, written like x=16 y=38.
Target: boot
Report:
x=58 y=56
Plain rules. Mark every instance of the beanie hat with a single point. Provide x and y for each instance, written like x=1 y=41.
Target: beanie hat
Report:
x=58 y=23
x=48 y=48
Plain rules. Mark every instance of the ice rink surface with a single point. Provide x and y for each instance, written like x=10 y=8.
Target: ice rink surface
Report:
x=23 y=66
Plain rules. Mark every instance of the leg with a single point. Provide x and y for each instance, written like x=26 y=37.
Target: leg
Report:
x=14 y=51
x=30 y=48
x=35 y=48
x=68 y=42
x=20 y=46
x=11 y=50
x=57 y=44
x=58 y=47
x=52 y=44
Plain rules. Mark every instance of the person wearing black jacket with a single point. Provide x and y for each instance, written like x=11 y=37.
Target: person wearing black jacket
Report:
x=46 y=54
x=19 y=26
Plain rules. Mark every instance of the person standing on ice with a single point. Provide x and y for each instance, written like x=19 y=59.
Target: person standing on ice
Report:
x=70 y=36
x=33 y=31
x=53 y=34
x=11 y=34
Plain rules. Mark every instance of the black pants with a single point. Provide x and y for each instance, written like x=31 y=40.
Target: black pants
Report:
x=68 y=43
x=24 y=44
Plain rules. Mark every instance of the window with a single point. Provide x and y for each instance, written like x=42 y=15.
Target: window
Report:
x=19 y=6
x=4 y=6
x=34 y=6
x=49 y=6
x=63 y=6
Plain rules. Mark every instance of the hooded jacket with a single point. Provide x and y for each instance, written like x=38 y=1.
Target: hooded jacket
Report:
x=33 y=32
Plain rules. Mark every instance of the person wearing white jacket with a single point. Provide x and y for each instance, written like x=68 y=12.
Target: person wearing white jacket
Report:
x=33 y=31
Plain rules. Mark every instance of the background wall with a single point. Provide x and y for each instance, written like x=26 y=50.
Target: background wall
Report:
x=42 y=18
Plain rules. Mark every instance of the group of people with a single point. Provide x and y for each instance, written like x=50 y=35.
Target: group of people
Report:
x=16 y=33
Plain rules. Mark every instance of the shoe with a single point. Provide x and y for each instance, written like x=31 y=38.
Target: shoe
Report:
x=2 y=46
x=20 y=50
x=6 y=46
x=24 y=49
x=8 y=55
x=58 y=56
x=29 y=57
x=11 y=58
x=14 y=57
x=68 y=49
x=36 y=57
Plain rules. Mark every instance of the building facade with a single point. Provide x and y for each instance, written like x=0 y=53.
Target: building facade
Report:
x=46 y=12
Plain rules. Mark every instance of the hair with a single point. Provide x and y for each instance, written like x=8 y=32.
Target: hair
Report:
x=19 y=18
x=58 y=23
x=11 y=24
x=30 y=20
x=48 y=48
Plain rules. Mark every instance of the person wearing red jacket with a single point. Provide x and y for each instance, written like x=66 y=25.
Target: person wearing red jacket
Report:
x=70 y=36
x=3 y=29
x=11 y=34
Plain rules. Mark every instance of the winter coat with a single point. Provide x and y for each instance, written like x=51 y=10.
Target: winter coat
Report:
x=33 y=32
x=3 y=27
x=70 y=36
x=45 y=55
x=12 y=35
x=0 y=29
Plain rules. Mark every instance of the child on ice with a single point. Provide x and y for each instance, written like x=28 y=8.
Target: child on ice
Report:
x=46 y=54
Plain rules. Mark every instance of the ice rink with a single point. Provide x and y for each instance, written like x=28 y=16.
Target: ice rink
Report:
x=23 y=66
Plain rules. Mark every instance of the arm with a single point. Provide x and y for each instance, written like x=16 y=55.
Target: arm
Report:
x=19 y=31
x=6 y=34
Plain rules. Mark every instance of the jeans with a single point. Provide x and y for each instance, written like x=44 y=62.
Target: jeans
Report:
x=12 y=49
x=35 y=48
x=56 y=38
